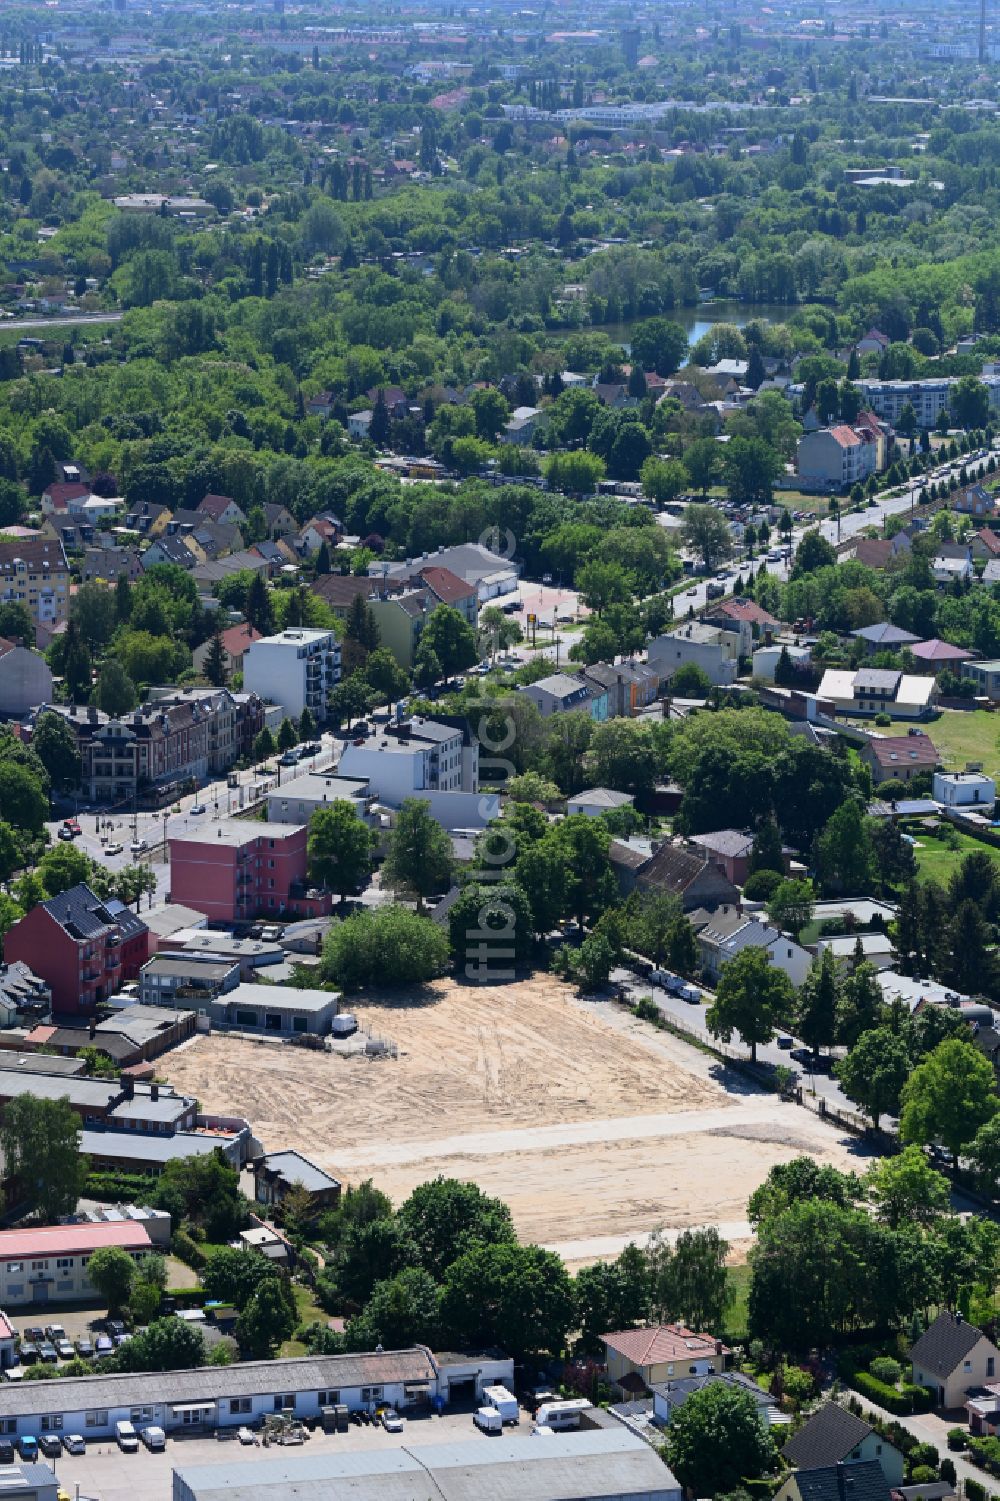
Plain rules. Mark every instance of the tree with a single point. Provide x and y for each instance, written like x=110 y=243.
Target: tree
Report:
x=168 y=1344
x=62 y=867
x=113 y=1273
x=874 y=1072
x=576 y=472
x=798 y=1181
x=419 y=859
x=446 y=1217
x=859 y=1005
x=612 y=1295
x=984 y=1155
x=384 y=946
x=663 y=479
x=706 y=532
x=215 y=666
x=402 y=1311
x=718 y=1439
x=948 y=1097
x=116 y=692
x=791 y=906
x=517 y=1298
x=259 y=607
x=602 y=584
x=204 y=1190
x=268 y=1318
x=690 y=681
x=816 y=1004
x=625 y=756
x=233 y=1276
x=385 y=676
x=490 y=409
x=40 y=1140
x=340 y=849
x=813 y=552
x=452 y=640
x=752 y=998
x=970 y=403
x=54 y=743
x=845 y=858
x=491 y=930
x=690 y=1284
x=94 y=614
x=750 y=467
x=701 y=460
x=263 y=746
x=907 y=1190
x=659 y=344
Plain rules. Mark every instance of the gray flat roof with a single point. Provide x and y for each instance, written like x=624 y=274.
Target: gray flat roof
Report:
x=94 y=1094
x=208 y=1383
x=135 y=1147
x=321 y=786
x=40 y=1063
x=222 y=945
x=236 y=832
x=166 y=1109
x=603 y=1462
x=295 y=1168
x=182 y=969
x=279 y=997
x=165 y=921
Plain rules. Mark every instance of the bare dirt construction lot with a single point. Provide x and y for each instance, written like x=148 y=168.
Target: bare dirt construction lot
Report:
x=592 y=1126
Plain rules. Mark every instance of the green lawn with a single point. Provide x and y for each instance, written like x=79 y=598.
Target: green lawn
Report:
x=309 y=1312
x=962 y=736
x=736 y=1313
x=936 y=862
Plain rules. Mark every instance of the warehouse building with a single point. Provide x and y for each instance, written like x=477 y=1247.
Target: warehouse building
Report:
x=603 y=1465
x=45 y=1264
x=281 y=1010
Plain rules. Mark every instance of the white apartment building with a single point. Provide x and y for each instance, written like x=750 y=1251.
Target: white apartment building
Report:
x=837 y=456
x=417 y=755
x=297 y=669
x=48 y=1263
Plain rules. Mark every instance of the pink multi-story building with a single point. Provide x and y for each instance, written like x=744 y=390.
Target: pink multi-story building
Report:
x=236 y=870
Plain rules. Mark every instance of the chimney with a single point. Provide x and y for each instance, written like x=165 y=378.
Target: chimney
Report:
x=128 y=1086
x=154 y=1091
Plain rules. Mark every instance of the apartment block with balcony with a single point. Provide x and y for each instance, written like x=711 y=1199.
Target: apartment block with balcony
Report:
x=236 y=870
x=84 y=949
x=298 y=668
x=34 y=572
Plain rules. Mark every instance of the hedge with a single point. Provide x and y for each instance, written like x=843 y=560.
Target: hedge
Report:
x=921 y=1396
x=186 y=1248
x=899 y=1403
x=974 y=1491
x=129 y=1188
x=186 y=1297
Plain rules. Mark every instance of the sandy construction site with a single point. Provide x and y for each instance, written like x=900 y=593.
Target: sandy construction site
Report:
x=592 y=1126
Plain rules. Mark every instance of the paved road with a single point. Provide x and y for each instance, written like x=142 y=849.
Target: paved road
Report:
x=59 y=320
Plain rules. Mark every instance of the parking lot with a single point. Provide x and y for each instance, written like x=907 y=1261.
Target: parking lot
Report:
x=104 y=1473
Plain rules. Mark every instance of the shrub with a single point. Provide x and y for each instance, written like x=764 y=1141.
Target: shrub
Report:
x=898 y=1402
x=921 y=1398
x=883 y=721
x=974 y=1491
x=884 y=1368
x=958 y=1439
x=186 y=1249
x=761 y=885
x=946 y=1470
x=647 y=1010
x=923 y=1474
x=922 y=1456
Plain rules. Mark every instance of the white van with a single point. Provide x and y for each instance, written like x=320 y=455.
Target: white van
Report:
x=128 y=1439
x=503 y=1401
x=488 y=1419
x=559 y=1416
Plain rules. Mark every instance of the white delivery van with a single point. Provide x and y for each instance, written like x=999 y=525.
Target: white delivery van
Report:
x=503 y=1401
x=488 y=1419
x=128 y=1439
x=562 y=1415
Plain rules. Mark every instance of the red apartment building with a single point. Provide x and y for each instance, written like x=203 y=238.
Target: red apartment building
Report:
x=236 y=870
x=83 y=948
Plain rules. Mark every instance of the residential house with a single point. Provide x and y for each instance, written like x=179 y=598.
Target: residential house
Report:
x=106 y=563
x=974 y=500
x=560 y=693
x=491 y=573
x=170 y=549
x=235 y=643
x=873 y=342
x=207 y=575
x=522 y=425
x=24 y=996
x=339 y=590
x=279 y=519
x=935 y=655
x=766 y=659
x=297 y=668
x=630 y=687
x=84 y=949
x=885 y=637
x=972 y=790
x=148 y=518
x=221 y=508
x=25 y=680
x=598 y=800
x=985 y=544
x=888 y=398
x=358 y=424
x=321 y=405
x=277 y=1174
x=875 y=552
x=234 y=871
x=952 y=1356
x=986 y=676
x=395 y=398
x=951 y=562
x=879 y=690
x=669 y=1396
x=899 y=757
x=639 y=1359
x=729 y=932
x=838 y=456
x=730 y=850
x=320 y=529
x=433 y=760
x=835 y=1436
x=613 y=394
x=296 y=800
x=401 y=618
x=715 y=651
x=59 y=496
x=448 y=589
x=761 y=621
x=860 y=1480
x=672 y=868
x=34 y=572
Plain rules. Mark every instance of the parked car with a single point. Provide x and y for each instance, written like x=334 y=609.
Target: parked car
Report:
x=28 y=1352
x=138 y=846
x=114 y=848
x=128 y=1439
x=65 y=1349
x=74 y=1443
x=246 y=1435
x=27 y=1447
x=289 y=758
x=154 y=1438
x=55 y=1332
x=85 y=1348
x=115 y=1327
x=35 y=1333
x=48 y=1352
x=65 y=833
x=6 y=1452
x=73 y=825
x=197 y=808
x=50 y=1445
x=103 y=1345
x=392 y=1422
x=784 y=1041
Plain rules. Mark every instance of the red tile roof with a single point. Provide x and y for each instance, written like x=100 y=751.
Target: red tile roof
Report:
x=446 y=585
x=238 y=638
x=71 y=1240
x=59 y=495
x=990 y=540
x=845 y=436
x=663 y=1342
x=747 y=609
x=939 y=651
x=903 y=750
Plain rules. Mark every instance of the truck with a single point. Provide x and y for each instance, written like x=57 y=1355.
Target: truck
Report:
x=488 y=1420
x=503 y=1401
x=559 y=1416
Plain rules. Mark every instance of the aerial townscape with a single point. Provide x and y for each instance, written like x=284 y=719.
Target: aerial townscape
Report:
x=499 y=748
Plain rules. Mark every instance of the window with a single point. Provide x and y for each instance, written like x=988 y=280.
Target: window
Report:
x=96 y=1419
x=878 y=1450
x=14 y=1267
x=64 y=1263
x=239 y=1404
x=967 y=1366
x=285 y=1403
x=328 y=1399
x=141 y=1415
x=39 y=1266
x=298 y=1023
x=371 y=1394
x=990 y=1364
x=51 y=1422
x=246 y=1018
